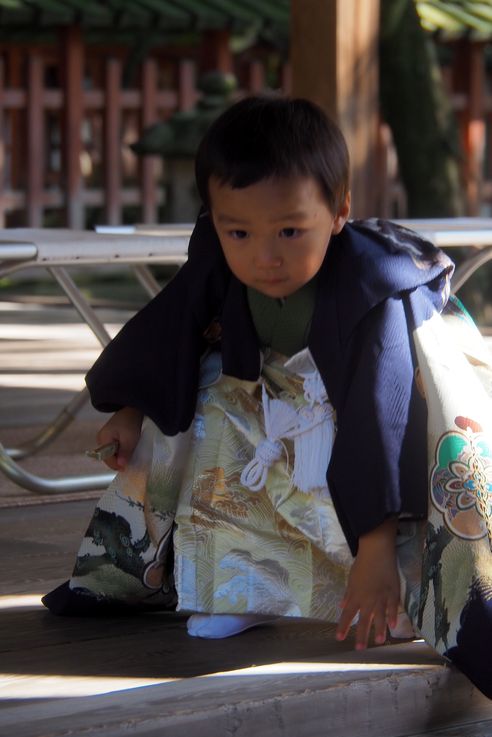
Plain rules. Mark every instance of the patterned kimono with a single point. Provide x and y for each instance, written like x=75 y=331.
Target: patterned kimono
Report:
x=229 y=512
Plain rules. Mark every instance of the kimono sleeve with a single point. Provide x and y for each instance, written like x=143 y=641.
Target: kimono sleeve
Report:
x=153 y=363
x=379 y=462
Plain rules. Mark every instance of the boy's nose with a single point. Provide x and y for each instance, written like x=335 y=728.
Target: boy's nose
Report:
x=268 y=257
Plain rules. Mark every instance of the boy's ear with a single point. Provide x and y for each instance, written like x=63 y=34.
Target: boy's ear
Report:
x=342 y=215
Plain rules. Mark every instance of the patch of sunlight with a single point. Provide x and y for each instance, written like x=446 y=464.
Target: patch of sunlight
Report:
x=299 y=668
x=67 y=382
x=16 y=686
x=53 y=331
x=21 y=686
x=30 y=686
x=6 y=306
x=19 y=601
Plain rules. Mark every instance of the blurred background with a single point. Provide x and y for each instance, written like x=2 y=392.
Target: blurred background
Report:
x=102 y=103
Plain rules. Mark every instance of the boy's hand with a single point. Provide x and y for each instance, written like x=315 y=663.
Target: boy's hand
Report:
x=373 y=589
x=124 y=427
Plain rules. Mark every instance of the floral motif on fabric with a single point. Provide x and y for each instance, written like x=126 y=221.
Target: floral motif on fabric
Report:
x=215 y=493
x=155 y=575
x=258 y=582
x=461 y=481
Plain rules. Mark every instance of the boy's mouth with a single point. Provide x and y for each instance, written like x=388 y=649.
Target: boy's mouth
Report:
x=273 y=280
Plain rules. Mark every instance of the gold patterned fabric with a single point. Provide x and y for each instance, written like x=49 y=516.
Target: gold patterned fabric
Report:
x=278 y=550
x=446 y=561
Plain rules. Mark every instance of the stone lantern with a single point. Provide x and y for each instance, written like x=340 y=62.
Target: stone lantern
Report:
x=177 y=140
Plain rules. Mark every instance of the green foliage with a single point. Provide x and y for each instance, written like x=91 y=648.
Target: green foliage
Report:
x=454 y=18
x=418 y=111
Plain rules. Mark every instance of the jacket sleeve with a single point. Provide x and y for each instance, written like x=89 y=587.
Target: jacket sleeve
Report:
x=379 y=462
x=153 y=362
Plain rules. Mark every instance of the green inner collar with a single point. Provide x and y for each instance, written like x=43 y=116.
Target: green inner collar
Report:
x=283 y=324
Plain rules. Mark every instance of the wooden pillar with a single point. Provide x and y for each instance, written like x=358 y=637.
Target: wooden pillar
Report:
x=73 y=75
x=148 y=116
x=35 y=142
x=476 y=127
x=256 y=77
x=334 y=57
x=186 y=84
x=16 y=120
x=112 y=142
x=3 y=162
x=215 y=52
x=469 y=80
x=286 y=79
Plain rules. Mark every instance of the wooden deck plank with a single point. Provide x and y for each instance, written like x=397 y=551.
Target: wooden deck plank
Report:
x=143 y=675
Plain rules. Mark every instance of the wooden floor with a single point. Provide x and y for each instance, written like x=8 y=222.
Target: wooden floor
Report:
x=143 y=675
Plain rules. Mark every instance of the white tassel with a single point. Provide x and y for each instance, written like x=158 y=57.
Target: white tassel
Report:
x=313 y=429
x=255 y=474
x=314 y=389
x=312 y=448
x=280 y=421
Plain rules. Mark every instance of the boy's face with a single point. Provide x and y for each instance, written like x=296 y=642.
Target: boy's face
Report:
x=275 y=233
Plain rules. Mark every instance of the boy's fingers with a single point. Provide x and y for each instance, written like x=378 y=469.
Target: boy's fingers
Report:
x=345 y=621
x=380 y=628
x=121 y=462
x=363 y=629
x=105 y=436
x=128 y=443
x=341 y=632
x=112 y=463
x=122 y=456
x=392 y=615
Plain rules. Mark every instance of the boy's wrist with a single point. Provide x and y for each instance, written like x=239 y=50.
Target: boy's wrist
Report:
x=131 y=412
x=380 y=537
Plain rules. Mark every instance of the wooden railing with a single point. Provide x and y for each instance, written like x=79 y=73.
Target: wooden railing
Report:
x=57 y=174
x=65 y=159
x=64 y=151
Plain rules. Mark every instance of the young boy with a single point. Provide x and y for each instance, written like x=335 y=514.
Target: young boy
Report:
x=278 y=367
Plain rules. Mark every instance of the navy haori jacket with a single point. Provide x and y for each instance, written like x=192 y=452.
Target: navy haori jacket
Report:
x=377 y=283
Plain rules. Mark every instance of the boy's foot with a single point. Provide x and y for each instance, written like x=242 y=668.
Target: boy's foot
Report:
x=404 y=628
x=217 y=626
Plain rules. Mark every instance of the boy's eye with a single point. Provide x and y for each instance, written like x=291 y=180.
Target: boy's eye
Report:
x=289 y=232
x=238 y=235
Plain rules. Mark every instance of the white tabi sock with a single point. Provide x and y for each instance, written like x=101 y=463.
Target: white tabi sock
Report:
x=217 y=626
x=404 y=628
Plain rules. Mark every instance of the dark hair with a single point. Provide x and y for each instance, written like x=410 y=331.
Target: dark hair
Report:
x=270 y=136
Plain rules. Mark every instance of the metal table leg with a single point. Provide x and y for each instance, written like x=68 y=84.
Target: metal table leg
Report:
x=468 y=267
x=8 y=465
x=147 y=279
x=85 y=310
x=68 y=413
x=51 y=431
x=41 y=485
